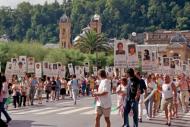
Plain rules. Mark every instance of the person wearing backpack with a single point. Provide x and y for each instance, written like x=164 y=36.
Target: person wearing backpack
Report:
x=75 y=88
x=131 y=98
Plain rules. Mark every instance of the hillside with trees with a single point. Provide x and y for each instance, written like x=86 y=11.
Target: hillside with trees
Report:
x=119 y=18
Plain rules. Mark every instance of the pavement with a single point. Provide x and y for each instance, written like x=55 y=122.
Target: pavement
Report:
x=63 y=113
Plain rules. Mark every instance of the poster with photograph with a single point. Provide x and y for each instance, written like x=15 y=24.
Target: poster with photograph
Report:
x=86 y=67
x=62 y=71
x=59 y=67
x=159 y=65
x=178 y=68
x=38 y=70
x=123 y=72
x=20 y=69
x=8 y=70
x=95 y=71
x=30 y=65
x=146 y=61
x=109 y=71
x=23 y=59
x=14 y=62
x=132 y=56
x=82 y=74
x=77 y=71
x=71 y=70
x=55 y=69
x=154 y=61
x=45 y=68
x=50 y=70
x=116 y=72
x=120 y=54
x=166 y=65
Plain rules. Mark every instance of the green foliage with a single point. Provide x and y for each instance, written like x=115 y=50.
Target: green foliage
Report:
x=119 y=18
x=92 y=42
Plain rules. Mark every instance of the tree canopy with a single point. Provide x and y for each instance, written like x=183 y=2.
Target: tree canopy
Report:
x=119 y=18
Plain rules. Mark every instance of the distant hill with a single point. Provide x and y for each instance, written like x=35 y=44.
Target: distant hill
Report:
x=119 y=18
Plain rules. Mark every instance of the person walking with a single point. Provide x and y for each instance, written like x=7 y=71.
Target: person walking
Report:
x=75 y=88
x=168 y=88
x=5 y=95
x=63 y=88
x=16 y=93
x=132 y=98
x=57 y=88
x=33 y=86
x=121 y=93
x=184 y=93
x=47 y=88
x=143 y=93
x=103 y=99
x=40 y=88
x=53 y=85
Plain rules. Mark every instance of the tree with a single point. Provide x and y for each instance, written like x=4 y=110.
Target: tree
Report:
x=92 y=42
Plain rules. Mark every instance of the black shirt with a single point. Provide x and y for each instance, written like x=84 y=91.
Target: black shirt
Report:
x=133 y=86
x=142 y=86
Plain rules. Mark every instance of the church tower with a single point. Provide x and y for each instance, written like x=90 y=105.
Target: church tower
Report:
x=96 y=24
x=65 y=32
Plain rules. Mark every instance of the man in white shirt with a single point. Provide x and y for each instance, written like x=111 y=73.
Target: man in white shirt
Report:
x=103 y=99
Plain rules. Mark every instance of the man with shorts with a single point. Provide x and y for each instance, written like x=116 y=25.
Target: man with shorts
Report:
x=103 y=99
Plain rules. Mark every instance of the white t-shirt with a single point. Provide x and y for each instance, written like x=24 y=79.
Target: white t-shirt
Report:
x=104 y=101
x=114 y=82
x=5 y=89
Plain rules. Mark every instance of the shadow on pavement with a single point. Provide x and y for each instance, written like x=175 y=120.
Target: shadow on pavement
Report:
x=27 y=123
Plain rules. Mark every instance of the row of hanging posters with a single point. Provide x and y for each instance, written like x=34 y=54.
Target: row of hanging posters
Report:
x=126 y=55
x=20 y=66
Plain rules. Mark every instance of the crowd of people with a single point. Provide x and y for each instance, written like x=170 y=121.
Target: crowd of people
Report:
x=157 y=92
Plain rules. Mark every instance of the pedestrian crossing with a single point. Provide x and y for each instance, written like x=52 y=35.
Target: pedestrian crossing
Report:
x=67 y=110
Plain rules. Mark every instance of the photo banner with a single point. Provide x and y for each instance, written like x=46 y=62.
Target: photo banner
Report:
x=55 y=69
x=45 y=68
x=38 y=70
x=132 y=56
x=14 y=62
x=146 y=61
x=23 y=59
x=62 y=72
x=120 y=54
x=8 y=70
x=86 y=67
x=166 y=65
x=30 y=65
x=71 y=70
x=95 y=71
x=77 y=71
x=20 y=69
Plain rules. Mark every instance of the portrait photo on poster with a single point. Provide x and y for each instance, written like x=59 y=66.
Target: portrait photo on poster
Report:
x=131 y=49
x=120 y=49
x=166 y=61
x=146 y=55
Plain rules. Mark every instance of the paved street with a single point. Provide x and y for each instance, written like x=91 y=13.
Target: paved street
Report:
x=65 y=114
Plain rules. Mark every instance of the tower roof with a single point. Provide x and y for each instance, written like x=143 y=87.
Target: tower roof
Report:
x=64 y=18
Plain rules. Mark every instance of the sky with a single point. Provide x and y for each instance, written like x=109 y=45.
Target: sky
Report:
x=13 y=3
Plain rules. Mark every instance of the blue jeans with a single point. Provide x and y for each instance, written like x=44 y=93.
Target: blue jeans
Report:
x=131 y=105
x=2 y=109
x=148 y=105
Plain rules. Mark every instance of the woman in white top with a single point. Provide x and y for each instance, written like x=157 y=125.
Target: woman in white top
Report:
x=121 y=93
x=168 y=88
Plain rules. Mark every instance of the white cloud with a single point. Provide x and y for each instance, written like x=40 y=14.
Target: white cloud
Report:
x=14 y=3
